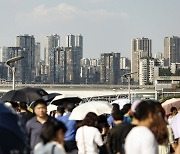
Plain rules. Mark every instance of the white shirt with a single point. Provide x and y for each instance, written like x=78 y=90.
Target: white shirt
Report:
x=40 y=148
x=87 y=140
x=141 y=140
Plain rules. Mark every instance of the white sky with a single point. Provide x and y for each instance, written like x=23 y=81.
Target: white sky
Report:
x=106 y=25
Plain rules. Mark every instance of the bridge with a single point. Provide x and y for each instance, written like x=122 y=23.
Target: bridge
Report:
x=96 y=92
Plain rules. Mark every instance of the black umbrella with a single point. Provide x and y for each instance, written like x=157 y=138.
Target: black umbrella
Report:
x=67 y=99
x=27 y=95
x=13 y=137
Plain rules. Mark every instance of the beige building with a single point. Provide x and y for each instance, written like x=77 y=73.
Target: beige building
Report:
x=140 y=48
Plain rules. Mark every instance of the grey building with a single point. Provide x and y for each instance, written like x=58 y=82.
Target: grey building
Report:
x=57 y=65
x=22 y=67
x=171 y=50
x=110 y=68
x=27 y=43
x=72 y=65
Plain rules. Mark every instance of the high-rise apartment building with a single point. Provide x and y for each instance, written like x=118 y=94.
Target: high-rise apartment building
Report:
x=22 y=71
x=140 y=48
x=51 y=42
x=109 y=68
x=27 y=43
x=3 y=54
x=74 y=53
x=171 y=50
x=57 y=65
x=124 y=63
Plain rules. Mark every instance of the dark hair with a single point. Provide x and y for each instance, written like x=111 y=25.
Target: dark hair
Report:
x=90 y=120
x=115 y=107
x=23 y=105
x=61 y=109
x=50 y=129
x=70 y=107
x=118 y=115
x=39 y=101
x=173 y=109
x=126 y=108
x=143 y=110
x=159 y=125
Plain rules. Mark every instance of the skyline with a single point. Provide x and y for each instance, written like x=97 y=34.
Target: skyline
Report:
x=106 y=25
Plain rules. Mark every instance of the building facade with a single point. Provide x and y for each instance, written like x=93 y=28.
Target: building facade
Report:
x=140 y=48
x=171 y=50
x=27 y=43
x=110 y=68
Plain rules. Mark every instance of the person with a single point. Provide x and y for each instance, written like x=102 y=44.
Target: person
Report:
x=103 y=127
x=34 y=125
x=52 y=136
x=117 y=135
x=110 y=119
x=127 y=113
x=24 y=113
x=162 y=131
x=70 y=143
x=60 y=111
x=140 y=139
x=174 y=111
x=88 y=137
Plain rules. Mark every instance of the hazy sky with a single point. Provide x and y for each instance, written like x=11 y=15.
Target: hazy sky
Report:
x=106 y=25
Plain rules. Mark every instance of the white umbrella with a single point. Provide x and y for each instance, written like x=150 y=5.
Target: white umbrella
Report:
x=175 y=124
x=51 y=107
x=174 y=102
x=98 y=107
x=121 y=102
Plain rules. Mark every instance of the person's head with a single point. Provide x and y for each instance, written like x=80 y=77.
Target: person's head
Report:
x=40 y=108
x=70 y=107
x=144 y=112
x=53 y=130
x=126 y=108
x=159 y=125
x=60 y=110
x=118 y=117
x=90 y=119
x=115 y=108
x=23 y=106
x=174 y=111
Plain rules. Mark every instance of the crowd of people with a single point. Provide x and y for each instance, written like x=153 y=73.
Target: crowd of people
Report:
x=138 y=128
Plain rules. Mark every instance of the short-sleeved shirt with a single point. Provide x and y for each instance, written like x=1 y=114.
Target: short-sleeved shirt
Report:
x=88 y=138
x=49 y=148
x=117 y=136
x=34 y=127
x=110 y=121
x=141 y=140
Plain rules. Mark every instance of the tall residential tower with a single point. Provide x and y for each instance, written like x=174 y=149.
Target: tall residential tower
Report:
x=140 y=48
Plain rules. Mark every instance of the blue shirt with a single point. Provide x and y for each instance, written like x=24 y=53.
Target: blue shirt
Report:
x=70 y=125
x=110 y=121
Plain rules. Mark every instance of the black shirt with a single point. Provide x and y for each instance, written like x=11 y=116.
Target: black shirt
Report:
x=117 y=136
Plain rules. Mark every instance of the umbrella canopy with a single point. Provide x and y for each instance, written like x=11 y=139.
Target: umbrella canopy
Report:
x=98 y=107
x=121 y=102
x=174 y=102
x=12 y=134
x=51 y=107
x=27 y=95
x=175 y=125
x=60 y=99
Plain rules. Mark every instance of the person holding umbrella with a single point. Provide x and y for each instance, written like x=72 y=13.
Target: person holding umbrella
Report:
x=34 y=126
